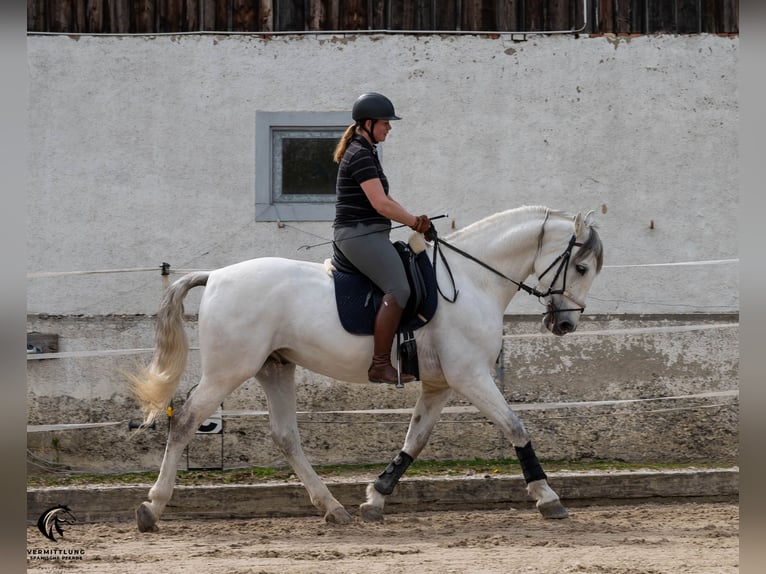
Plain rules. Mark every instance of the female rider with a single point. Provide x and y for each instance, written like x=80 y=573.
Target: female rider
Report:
x=363 y=214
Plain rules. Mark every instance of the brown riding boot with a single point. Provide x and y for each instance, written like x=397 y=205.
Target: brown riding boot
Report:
x=386 y=322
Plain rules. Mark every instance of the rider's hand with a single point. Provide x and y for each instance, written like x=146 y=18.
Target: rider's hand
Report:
x=422 y=224
x=430 y=235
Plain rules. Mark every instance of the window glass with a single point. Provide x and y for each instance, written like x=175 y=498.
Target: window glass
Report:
x=303 y=166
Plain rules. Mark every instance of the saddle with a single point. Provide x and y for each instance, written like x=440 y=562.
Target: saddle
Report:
x=358 y=299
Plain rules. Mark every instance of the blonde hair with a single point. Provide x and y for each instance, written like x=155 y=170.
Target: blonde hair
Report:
x=340 y=149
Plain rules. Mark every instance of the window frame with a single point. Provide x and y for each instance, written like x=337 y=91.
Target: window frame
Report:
x=267 y=207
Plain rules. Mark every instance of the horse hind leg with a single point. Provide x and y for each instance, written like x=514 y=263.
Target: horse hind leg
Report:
x=184 y=423
x=278 y=381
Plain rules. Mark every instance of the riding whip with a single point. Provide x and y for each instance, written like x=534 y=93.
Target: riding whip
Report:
x=307 y=247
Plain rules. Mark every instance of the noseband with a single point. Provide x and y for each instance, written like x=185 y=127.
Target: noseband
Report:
x=562 y=261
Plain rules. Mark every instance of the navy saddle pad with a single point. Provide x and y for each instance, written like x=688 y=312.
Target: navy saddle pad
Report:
x=358 y=298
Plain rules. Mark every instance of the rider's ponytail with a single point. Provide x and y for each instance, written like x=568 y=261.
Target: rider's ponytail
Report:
x=340 y=149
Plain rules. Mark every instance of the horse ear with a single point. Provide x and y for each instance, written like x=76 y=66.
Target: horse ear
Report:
x=579 y=225
x=589 y=218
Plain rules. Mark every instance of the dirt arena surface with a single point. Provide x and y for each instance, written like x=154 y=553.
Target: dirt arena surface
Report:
x=689 y=538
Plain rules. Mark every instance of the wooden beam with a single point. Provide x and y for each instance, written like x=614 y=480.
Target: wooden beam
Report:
x=266 y=16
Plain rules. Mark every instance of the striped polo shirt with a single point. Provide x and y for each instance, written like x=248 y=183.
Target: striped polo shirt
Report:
x=359 y=164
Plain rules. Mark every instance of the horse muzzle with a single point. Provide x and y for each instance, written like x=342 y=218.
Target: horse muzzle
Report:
x=560 y=321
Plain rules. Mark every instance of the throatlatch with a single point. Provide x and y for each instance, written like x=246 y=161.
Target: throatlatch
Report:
x=396 y=468
x=530 y=466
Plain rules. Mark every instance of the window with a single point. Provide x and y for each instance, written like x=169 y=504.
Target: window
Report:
x=294 y=170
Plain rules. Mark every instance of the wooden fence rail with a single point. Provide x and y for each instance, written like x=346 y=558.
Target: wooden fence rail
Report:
x=169 y=16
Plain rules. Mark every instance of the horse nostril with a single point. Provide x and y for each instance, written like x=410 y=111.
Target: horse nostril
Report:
x=566 y=327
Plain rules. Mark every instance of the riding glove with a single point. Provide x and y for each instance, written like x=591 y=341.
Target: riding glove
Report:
x=422 y=224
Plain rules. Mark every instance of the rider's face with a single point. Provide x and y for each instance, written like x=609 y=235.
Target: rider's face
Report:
x=381 y=129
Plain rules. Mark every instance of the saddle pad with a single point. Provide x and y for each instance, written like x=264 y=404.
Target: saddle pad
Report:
x=358 y=299
x=355 y=299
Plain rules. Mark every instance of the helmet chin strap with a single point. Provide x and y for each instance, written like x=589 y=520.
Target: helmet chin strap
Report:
x=370 y=130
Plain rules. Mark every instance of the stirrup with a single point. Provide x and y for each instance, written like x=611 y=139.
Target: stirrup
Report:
x=401 y=378
x=390 y=375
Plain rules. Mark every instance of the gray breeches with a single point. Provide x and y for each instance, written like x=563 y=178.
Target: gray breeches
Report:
x=375 y=256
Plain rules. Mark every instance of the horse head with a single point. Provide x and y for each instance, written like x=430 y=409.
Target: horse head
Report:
x=570 y=255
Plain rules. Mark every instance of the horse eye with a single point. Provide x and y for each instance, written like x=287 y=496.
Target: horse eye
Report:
x=581 y=269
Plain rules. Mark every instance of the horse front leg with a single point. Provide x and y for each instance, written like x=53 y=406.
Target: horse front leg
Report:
x=424 y=417
x=278 y=382
x=484 y=394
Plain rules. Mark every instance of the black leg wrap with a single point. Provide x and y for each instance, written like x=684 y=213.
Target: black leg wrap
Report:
x=396 y=468
x=530 y=466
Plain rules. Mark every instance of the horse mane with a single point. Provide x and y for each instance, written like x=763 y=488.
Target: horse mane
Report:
x=592 y=244
x=523 y=212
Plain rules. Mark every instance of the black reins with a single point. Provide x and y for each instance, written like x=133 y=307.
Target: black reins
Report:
x=562 y=261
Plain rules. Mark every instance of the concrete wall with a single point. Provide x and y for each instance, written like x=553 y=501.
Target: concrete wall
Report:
x=655 y=359
x=141 y=151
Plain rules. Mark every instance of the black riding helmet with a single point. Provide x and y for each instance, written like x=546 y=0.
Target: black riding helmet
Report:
x=372 y=106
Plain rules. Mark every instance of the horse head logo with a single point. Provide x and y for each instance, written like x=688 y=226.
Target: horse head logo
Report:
x=53 y=519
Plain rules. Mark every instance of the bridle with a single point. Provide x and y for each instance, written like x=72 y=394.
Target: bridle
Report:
x=563 y=261
x=561 y=264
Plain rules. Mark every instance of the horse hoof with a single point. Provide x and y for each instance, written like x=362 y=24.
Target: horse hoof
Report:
x=145 y=519
x=338 y=516
x=553 y=509
x=371 y=513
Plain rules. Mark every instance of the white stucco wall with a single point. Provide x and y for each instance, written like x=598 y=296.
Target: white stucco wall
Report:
x=142 y=150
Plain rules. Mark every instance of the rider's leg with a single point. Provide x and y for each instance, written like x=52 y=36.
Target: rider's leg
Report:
x=370 y=250
x=386 y=323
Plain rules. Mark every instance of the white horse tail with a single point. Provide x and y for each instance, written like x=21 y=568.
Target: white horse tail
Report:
x=156 y=383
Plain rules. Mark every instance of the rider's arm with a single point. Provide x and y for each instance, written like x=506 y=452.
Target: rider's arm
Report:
x=385 y=205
